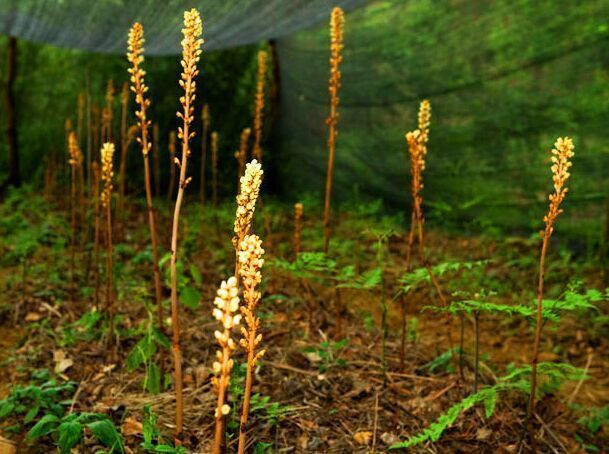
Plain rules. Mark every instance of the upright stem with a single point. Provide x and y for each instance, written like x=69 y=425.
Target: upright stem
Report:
x=248 y=389
x=222 y=387
x=155 y=253
x=73 y=239
x=109 y=294
x=538 y=324
x=203 y=156
x=96 y=234
x=476 y=349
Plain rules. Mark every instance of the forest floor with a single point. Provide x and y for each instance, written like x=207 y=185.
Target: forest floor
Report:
x=321 y=386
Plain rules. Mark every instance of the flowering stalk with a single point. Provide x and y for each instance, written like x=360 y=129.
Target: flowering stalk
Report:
x=138 y=86
x=298 y=211
x=107 y=154
x=75 y=161
x=241 y=154
x=107 y=113
x=417 y=149
x=205 y=124
x=561 y=162
x=337 y=23
x=96 y=235
x=246 y=206
x=191 y=52
x=227 y=303
x=259 y=106
x=250 y=262
x=214 y=167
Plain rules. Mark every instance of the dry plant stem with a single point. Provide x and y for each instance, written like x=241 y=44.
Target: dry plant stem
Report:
x=476 y=349
x=136 y=58
x=96 y=178
x=124 y=147
x=191 y=44
x=107 y=155
x=205 y=128
x=337 y=22
x=561 y=162
x=259 y=106
x=298 y=213
x=241 y=154
x=75 y=162
x=214 y=167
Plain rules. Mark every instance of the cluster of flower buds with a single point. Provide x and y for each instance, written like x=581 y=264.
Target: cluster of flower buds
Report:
x=246 y=200
x=135 y=55
x=107 y=154
x=250 y=263
x=75 y=155
x=226 y=305
x=561 y=162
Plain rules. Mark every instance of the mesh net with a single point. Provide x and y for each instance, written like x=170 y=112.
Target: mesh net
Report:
x=504 y=78
x=102 y=25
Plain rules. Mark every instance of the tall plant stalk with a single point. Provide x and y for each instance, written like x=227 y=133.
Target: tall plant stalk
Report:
x=241 y=154
x=191 y=52
x=561 y=162
x=96 y=230
x=227 y=304
x=214 y=168
x=250 y=263
x=75 y=161
x=417 y=148
x=107 y=172
x=297 y=241
x=124 y=147
x=205 y=126
x=337 y=23
x=259 y=106
x=136 y=58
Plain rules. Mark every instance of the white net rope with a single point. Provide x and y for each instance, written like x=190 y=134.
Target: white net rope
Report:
x=102 y=25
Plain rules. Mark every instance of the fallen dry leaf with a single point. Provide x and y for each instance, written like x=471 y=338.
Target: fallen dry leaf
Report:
x=363 y=438
x=62 y=362
x=389 y=438
x=7 y=446
x=33 y=317
x=132 y=427
x=483 y=433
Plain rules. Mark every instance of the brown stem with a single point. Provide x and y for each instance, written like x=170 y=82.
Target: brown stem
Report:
x=96 y=235
x=155 y=253
x=109 y=295
x=251 y=357
x=73 y=239
x=329 y=175
x=222 y=387
x=203 y=160
x=535 y=359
